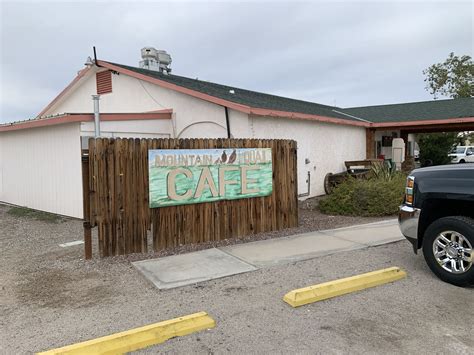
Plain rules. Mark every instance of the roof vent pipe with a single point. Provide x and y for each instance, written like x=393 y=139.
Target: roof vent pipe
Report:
x=96 y=99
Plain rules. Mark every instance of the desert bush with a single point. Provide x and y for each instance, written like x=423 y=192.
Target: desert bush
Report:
x=382 y=170
x=378 y=196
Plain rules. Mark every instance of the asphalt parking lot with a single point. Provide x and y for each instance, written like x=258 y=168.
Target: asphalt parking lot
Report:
x=51 y=298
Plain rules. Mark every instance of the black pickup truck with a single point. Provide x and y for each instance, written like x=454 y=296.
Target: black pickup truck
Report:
x=438 y=216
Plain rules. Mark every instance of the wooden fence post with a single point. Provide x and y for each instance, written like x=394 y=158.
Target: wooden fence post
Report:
x=86 y=206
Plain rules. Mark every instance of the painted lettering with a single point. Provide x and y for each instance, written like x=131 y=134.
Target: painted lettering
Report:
x=206 y=181
x=171 y=182
x=222 y=181
x=160 y=160
x=245 y=180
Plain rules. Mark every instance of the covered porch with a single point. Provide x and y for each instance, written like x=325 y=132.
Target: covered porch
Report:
x=378 y=137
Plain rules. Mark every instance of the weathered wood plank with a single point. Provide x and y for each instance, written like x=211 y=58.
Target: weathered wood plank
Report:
x=119 y=197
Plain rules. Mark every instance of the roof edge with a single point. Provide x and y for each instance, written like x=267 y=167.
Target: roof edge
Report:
x=78 y=77
x=304 y=116
x=407 y=103
x=85 y=117
x=423 y=122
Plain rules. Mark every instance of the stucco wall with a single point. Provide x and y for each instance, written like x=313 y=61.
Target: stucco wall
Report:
x=326 y=146
x=192 y=117
x=40 y=168
x=135 y=128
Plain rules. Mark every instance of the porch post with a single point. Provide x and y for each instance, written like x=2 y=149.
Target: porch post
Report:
x=404 y=136
x=369 y=143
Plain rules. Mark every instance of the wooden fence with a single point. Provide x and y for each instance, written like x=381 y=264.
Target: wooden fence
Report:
x=116 y=198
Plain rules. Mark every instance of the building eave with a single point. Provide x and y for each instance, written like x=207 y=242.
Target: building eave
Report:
x=302 y=116
x=440 y=122
x=85 y=117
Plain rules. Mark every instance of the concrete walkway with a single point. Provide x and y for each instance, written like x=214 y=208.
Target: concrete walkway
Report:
x=180 y=270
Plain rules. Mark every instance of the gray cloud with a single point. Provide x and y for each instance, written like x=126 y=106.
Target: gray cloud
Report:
x=348 y=53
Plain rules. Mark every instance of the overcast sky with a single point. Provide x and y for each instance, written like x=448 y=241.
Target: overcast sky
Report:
x=349 y=53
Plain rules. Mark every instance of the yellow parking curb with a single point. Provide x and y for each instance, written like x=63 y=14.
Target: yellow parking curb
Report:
x=139 y=338
x=340 y=287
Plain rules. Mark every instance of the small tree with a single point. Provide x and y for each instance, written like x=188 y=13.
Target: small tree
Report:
x=465 y=137
x=435 y=147
x=452 y=78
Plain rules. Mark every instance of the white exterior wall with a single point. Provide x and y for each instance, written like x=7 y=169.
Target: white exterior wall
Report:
x=192 y=117
x=327 y=146
x=128 y=129
x=40 y=168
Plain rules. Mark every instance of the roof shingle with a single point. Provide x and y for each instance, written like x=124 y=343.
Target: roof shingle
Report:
x=244 y=97
x=416 y=111
x=405 y=112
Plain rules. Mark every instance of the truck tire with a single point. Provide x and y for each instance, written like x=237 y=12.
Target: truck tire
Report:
x=448 y=249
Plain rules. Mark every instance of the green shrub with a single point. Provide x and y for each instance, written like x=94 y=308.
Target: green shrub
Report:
x=372 y=197
x=435 y=147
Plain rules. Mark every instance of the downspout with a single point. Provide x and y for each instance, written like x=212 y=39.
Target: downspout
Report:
x=227 y=121
x=96 y=99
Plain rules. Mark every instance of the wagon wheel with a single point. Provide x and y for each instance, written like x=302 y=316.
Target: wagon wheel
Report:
x=328 y=186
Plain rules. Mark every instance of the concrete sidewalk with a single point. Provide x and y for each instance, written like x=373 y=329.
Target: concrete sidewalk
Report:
x=180 y=270
x=310 y=245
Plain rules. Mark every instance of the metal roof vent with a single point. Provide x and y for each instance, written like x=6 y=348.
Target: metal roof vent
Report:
x=157 y=60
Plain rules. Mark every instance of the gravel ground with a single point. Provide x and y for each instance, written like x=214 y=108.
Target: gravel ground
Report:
x=50 y=297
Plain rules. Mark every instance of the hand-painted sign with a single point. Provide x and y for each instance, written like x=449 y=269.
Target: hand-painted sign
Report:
x=179 y=177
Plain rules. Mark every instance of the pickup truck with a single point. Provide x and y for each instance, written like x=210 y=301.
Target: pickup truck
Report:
x=438 y=216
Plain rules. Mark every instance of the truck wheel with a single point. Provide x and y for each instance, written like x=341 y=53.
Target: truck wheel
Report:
x=462 y=161
x=448 y=249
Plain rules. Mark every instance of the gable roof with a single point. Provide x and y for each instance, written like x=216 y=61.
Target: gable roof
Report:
x=261 y=104
x=416 y=111
x=251 y=99
x=437 y=112
x=248 y=101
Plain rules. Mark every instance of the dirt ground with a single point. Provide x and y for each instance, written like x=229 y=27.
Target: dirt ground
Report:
x=51 y=297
